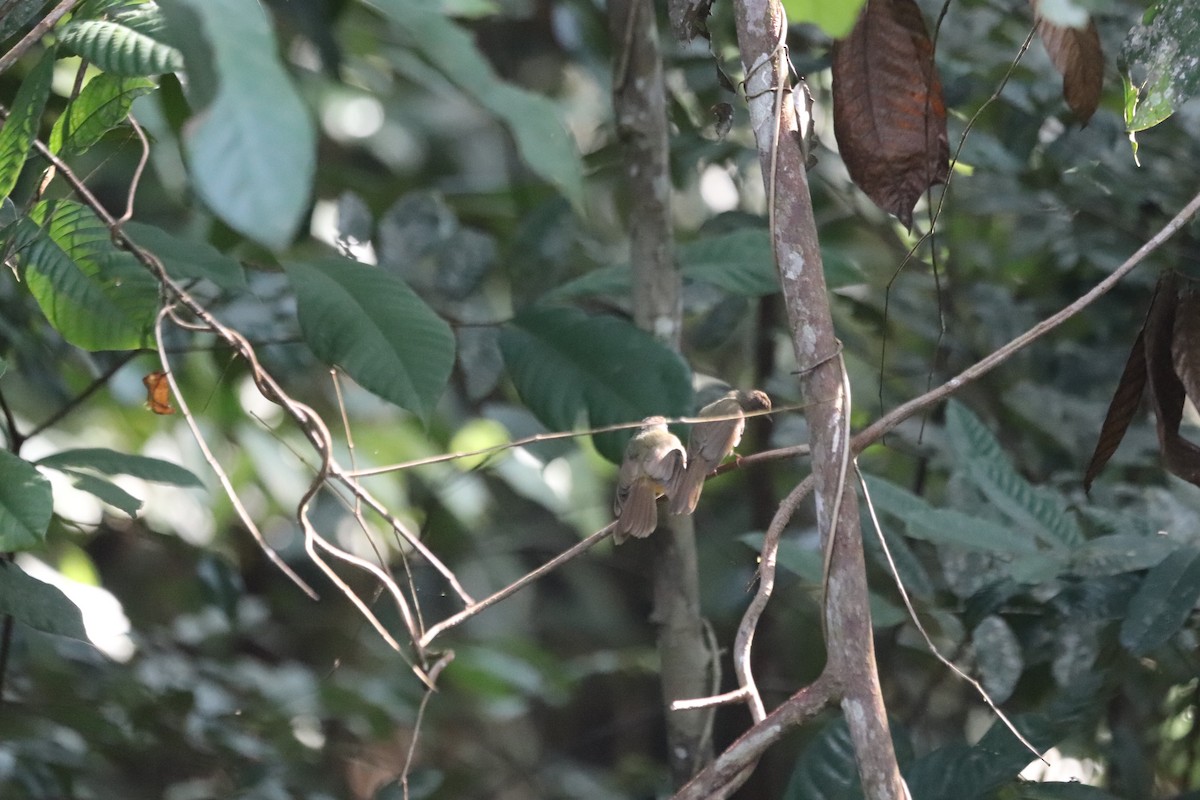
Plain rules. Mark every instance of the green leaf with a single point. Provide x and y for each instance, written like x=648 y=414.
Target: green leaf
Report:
x=254 y=169
x=119 y=50
x=611 y=281
x=999 y=656
x=826 y=769
x=1160 y=59
x=97 y=297
x=102 y=105
x=107 y=491
x=569 y=366
x=373 y=326
x=1163 y=603
x=1120 y=552
x=535 y=122
x=836 y=19
x=111 y=462
x=26 y=504
x=19 y=16
x=39 y=605
x=188 y=259
x=740 y=262
x=24 y=117
x=949 y=527
x=980 y=454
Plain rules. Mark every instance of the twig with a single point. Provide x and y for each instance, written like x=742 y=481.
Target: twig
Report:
x=136 y=180
x=36 y=33
x=912 y=613
x=216 y=467
x=474 y=608
x=75 y=402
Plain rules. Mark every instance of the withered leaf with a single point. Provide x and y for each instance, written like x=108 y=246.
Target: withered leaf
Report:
x=888 y=114
x=1079 y=58
x=1185 y=342
x=722 y=119
x=1121 y=410
x=1167 y=392
x=158 y=393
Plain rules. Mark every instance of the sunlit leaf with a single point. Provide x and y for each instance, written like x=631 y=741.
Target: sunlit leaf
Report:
x=373 y=326
x=25 y=504
x=119 y=50
x=102 y=105
x=836 y=19
x=111 y=462
x=571 y=368
x=254 y=169
x=21 y=126
x=39 y=605
x=106 y=491
x=96 y=296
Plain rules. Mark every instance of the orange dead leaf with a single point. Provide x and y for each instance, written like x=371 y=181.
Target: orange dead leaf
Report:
x=158 y=393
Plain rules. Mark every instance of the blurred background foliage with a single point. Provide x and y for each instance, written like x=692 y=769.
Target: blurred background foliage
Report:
x=215 y=677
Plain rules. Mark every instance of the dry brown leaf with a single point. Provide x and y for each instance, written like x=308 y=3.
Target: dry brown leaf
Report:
x=1079 y=58
x=888 y=114
x=1121 y=411
x=1179 y=455
x=158 y=393
x=1185 y=342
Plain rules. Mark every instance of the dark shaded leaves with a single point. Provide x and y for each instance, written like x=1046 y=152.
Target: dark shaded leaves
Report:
x=1165 y=357
x=888 y=114
x=1079 y=58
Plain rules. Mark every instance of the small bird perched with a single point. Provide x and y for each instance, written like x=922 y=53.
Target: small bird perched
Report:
x=710 y=442
x=653 y=464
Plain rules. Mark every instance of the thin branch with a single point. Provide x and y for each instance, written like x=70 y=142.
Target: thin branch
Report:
x=136 y=180
x=75 y=402
x=474 y=608
x=912 y=613
x=35 y=34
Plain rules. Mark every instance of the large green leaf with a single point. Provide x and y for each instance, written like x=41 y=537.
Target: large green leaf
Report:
x=1160 y=59
x=111 y=462
x=999 y=655
x=1166 y=598
x=977 y=450
x=26 y=504
x=18 y=16
x=21 y=126
x=373 y=326
x=568 y=367
x=119 y=50
x=102 y=105
x=252 y=152
x=826 y=769
x=96 y=296
x=39 y=605
x=950 y=527
x=541 y=137
x=1120 y=552
x=188 y=259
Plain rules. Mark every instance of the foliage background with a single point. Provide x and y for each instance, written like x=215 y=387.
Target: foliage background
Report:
x=230 y=683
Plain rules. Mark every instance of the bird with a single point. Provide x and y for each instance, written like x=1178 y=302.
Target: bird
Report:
x=653 y=463
x=710 y=442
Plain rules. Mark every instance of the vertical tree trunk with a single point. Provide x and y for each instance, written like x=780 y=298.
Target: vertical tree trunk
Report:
x=760 y=28
x=641 y=115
